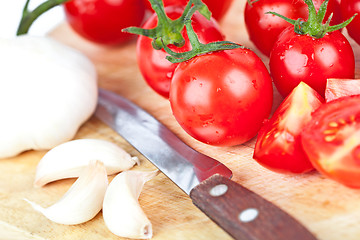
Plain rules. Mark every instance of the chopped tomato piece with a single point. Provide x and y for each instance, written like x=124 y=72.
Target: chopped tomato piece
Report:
x=332 y=140
x=336 y=88
x=278 y=146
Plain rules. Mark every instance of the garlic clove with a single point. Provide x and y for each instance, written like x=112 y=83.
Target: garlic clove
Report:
x=82 y=201
x=67 y=160
x=121 y=210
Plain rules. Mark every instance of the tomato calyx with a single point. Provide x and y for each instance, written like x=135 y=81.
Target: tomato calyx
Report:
x=314 y=26
x=28 y=17
x=250 y=2
x=168 y=31
x=198 y=48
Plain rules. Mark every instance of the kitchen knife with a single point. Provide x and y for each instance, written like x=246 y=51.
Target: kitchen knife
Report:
x=239 y=211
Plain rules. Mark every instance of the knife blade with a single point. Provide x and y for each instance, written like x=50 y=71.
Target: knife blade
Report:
x=240 y=212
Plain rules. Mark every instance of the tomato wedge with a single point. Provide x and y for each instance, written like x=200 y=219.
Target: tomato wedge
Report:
x=278 y=146
x=332 y=140
x=336 y=88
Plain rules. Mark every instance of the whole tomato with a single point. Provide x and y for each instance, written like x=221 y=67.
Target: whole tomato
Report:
x=221 y=98
x=264 y=29
x=348 y=9
x=154 y=67
x=218 y=8
x=101 y=21
x=299 y=58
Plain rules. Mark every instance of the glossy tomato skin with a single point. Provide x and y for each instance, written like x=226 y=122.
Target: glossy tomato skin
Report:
x=332 y=140
x=264 y=29
x=348 y=9
x=222 y=98
x=153 y=65
x=278 y=146
x=300 y=58
x=218 y=8
x=101 y=21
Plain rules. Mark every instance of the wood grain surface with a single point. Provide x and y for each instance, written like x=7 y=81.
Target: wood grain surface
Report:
x=328 y=209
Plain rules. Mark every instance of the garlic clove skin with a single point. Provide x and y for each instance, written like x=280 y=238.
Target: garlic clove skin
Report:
x=48 y=90
x=82 y=201
x=122 y=212
x=69 y=159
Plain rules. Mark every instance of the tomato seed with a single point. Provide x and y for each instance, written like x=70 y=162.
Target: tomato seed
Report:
x=333 y=124
x=276 y=135
x=329 y=138
x=330 y=131
x=342 y=121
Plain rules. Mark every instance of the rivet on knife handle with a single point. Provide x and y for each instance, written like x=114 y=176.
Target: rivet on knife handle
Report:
x=244 y=214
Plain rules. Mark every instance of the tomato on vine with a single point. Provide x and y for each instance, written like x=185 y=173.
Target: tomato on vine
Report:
x=311 y=52
x=156 y=70
x=220 y=92
x=264 y=29
x=222 y=98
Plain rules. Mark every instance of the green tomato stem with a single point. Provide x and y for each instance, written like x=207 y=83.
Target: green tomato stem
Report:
x=198 y=48
x=168 y=31
x=28 y=17
x=314 y=26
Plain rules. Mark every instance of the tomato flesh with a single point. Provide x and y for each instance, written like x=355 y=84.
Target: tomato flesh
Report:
x=332 y=140
x=337 y=88
x=222 y=98
x=278 y=146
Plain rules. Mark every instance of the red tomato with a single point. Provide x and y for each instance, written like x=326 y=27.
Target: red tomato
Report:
x=332 y=140
x=337 y=88
x=264 y=28
x=301 y=58
x=278 y=146
x=218 y=8
x=348 y=9
x=158 y=71
x=222 y=98
x=101 y=21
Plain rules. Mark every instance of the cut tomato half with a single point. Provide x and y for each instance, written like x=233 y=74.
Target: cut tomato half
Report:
x=336 y=88
x=332 y=140
x=278 y=146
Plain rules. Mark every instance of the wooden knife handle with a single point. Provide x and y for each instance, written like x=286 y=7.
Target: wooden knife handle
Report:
x=244 y=214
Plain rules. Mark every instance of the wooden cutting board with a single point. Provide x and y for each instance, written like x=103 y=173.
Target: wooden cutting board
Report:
x=330 y=210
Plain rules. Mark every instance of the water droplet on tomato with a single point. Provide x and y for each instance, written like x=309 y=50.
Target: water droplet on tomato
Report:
x=169 y=75
x=253 y=82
